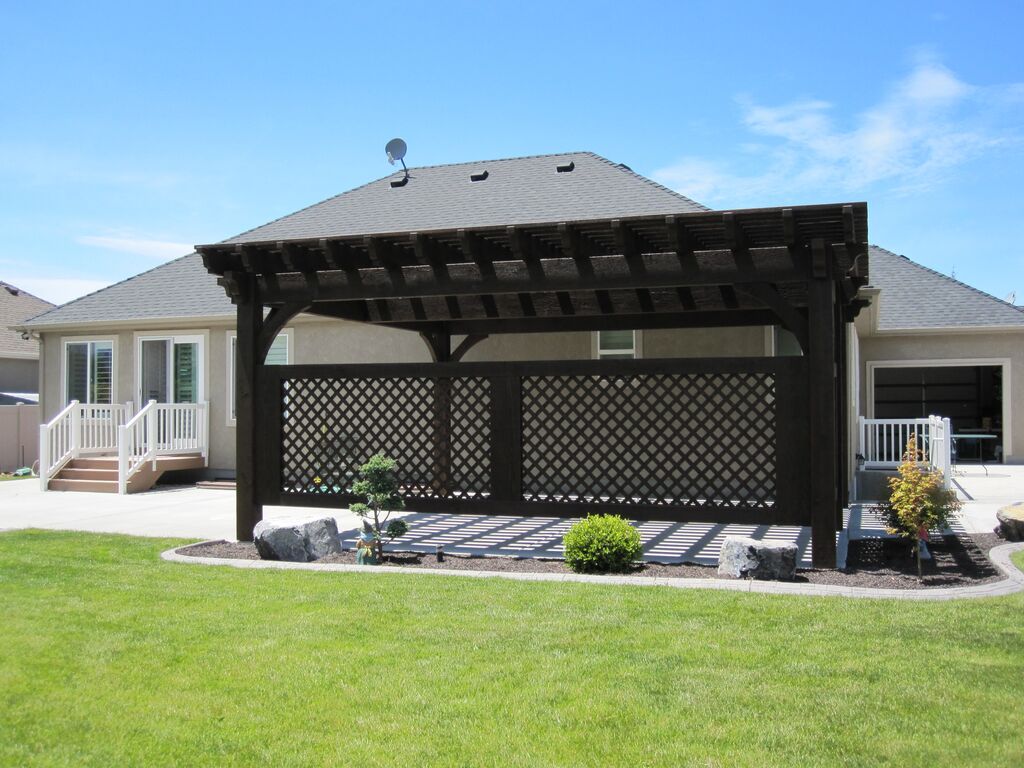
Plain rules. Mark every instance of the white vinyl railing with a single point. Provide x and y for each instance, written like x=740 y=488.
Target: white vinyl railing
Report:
x=57 y=441
x=99 y=424
x=884 y=441
x=159 y=429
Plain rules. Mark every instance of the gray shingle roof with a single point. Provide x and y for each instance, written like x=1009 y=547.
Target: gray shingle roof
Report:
x=914 y=297
x=178 y=289
x=15 y=306
x=521 y=190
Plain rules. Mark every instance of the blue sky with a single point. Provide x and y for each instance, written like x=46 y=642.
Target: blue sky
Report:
x=130 y=131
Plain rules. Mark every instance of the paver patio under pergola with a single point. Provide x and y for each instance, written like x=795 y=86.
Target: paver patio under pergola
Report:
x=756 y=441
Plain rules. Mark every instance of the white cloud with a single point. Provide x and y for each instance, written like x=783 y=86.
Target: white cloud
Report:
x=161 y=250
x=928 y=123
x=57 y=289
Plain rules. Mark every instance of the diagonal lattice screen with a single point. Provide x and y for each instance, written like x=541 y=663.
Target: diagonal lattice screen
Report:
x=668 y=439
x=329 y=426
x=672 y=439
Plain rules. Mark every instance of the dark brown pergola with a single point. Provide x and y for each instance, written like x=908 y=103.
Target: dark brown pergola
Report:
x=758 y=440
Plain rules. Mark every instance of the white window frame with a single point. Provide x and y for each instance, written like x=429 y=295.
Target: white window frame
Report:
x=595 y=346
x=65 y=341
x=175 y=337
x=964 y=362
x=229 y=399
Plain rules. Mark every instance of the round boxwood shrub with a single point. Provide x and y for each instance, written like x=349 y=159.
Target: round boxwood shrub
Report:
x=601 y=543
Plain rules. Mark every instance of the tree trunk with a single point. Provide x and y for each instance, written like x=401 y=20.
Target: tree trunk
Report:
x=917 y=541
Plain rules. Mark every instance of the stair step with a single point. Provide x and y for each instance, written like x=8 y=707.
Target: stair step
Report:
x=94 y=462
x=90 y=486
x=98 y=474
x=77 y=473
x=226 y=485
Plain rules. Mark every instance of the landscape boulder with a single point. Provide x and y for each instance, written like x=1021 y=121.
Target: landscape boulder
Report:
x=745 y=558
x=297 y=540
x=1011 y=522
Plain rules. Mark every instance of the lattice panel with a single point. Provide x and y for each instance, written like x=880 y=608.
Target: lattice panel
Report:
x=329 y=427
x=686 y=440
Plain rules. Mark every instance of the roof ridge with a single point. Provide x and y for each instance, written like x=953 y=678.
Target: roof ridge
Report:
x=21 y=291
x=498 y=160
x=107 y=287
x=951 y=279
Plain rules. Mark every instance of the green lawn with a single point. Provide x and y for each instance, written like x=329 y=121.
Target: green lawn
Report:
x=110 y=657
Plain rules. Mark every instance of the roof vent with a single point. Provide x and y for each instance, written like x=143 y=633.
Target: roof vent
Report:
x=482 y=176
x=10 y=289
x=623 y=165
x=402 y=181
x=566 y=168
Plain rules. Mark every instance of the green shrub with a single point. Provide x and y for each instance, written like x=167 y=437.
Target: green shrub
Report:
x=918 y=501
x=601 y=543
x=379 y=484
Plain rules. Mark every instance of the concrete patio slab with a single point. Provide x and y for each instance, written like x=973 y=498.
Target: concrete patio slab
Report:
x=189 y=512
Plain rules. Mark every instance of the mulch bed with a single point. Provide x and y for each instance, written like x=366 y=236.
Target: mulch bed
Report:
x=880 y=563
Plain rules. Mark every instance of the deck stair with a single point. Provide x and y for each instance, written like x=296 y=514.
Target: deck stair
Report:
x=112 y=449
x=98 y=474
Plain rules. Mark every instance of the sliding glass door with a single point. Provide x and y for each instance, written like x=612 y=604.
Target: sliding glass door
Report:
x=170 y=369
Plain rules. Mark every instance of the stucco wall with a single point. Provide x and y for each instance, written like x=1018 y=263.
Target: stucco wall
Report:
x=17 y=375
x=955 y=346
x=316 y=341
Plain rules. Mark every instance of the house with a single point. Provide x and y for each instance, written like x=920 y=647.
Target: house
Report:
x=19 y=352
x=924 y=343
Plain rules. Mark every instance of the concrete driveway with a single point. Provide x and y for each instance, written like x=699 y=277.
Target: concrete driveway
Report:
x=182 y=511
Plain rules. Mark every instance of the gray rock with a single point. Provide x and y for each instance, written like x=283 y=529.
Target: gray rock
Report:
x=297 y=540
x=1011 y=522
x=745 y=558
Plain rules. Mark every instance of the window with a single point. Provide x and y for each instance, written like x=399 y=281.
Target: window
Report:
x=785 y=344
x=617 y=345
x=89 y=371
x=278 y=355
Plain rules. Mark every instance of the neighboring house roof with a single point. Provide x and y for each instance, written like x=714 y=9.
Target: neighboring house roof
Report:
x=16 y=306
x=913 y=297
x=521 y=190
x=178 y=289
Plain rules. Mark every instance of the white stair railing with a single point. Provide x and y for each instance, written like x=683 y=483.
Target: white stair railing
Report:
x=160 y=429
x=883 y=442
x=133 y=447
x=57 y=442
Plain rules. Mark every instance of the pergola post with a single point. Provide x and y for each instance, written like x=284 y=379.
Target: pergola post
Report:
x=823 y=407
x=248 y=362
x=440 y=345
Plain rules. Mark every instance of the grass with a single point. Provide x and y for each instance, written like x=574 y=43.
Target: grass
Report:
x=109 y=656
x=4 y=478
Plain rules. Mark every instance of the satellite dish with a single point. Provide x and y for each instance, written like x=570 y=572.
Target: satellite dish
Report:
x=396 y=149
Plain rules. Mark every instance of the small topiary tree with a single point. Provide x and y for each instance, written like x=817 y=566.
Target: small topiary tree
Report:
x=917 y=500
x=378 y=483
x=601 y=543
